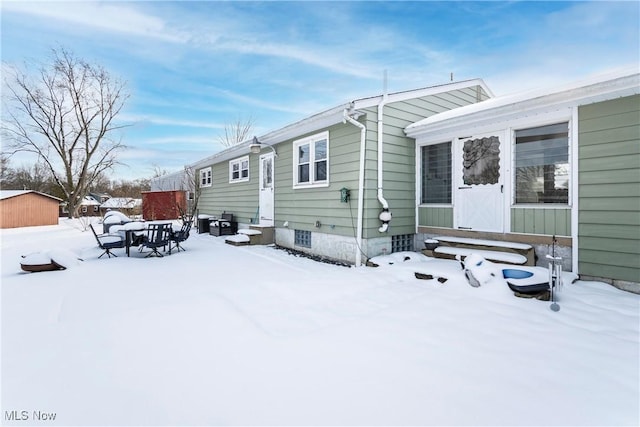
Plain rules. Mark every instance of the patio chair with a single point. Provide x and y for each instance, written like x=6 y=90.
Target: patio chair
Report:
x=107 y=242
x=180 y=236
x=157 y=236
x=225 y=226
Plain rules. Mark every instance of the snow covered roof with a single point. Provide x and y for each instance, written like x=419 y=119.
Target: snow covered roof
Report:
x=121 y=203
x=89 y=201
x=335 y=115
x=596 y=89
x=6 y=194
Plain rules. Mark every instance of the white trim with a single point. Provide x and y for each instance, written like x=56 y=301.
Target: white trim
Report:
x=238 y=162
x=419 y=93
x=545 y=206
x=555 y=117
x=435 y=205
x=205 y=171
x=311 y=141
x=574 y=135
x=268 y=222
x=507 y=108
x=419 y=173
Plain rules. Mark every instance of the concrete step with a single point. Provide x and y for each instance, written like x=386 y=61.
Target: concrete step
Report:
x=255 y=236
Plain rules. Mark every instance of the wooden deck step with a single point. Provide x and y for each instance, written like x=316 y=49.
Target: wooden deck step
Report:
x=493 y=250
x=483 y=242
x=496 y=256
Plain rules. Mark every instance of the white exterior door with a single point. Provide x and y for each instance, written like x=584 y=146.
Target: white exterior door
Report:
x=266 y=190
x=479 y=200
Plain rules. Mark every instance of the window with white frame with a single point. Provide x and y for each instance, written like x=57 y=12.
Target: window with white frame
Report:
x=205 y=177
x=239 y=169
x=311 y=161
x=542 y=164
x=436 y=174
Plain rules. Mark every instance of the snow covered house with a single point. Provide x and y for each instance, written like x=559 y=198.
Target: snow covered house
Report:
x=330 y=183
x=126 y=205
x=526 y=167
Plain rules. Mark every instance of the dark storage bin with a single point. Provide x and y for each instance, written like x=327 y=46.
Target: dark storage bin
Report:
x=225 y=226
x=203 y=225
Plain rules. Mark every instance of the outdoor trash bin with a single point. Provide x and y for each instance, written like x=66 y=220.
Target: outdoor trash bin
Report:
x=203 y=223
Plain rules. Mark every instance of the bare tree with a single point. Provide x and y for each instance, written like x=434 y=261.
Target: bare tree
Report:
x=66 y=115
x=191 y=185
x=236 y=132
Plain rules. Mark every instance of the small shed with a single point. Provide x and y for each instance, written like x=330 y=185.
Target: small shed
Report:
x=27 y=208
x=161 y=205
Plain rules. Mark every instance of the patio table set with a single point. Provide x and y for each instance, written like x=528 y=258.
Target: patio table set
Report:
x=119 y=231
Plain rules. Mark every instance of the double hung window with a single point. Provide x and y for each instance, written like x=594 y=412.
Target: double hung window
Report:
x=205 y=177
x=542 y=164
x=239 y=169
x=311 y=161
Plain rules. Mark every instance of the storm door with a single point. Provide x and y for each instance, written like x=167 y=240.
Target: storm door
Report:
x=479 y=200
x=266 y=190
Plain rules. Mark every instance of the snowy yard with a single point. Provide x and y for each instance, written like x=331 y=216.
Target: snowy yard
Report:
x=222 y=335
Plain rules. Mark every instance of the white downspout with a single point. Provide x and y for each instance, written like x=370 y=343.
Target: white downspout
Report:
x=385 y=215
x=363 y=139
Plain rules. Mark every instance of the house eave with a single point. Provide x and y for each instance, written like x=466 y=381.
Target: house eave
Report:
x=310 y=124
x=530 y=103
x=331 y=117
x=419 y=93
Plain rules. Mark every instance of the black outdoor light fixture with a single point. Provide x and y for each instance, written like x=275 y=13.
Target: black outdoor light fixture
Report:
x=256 y=146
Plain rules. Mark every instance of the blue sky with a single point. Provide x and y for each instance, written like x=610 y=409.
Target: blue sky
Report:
x=192 y=67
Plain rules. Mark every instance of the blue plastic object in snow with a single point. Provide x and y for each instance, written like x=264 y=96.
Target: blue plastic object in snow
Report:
x=514 y=273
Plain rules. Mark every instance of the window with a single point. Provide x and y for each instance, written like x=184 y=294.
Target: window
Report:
x=311 y=161
x=302 y=238
x=239 y=170
x=436 y=173
x=205 y=177
x=542 y=164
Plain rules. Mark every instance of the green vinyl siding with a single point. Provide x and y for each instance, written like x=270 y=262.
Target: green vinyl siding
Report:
x=609 y=189
x=435 y=216
x=541 y=221
x=399 y=158
x=240 y=198
x=303 y=208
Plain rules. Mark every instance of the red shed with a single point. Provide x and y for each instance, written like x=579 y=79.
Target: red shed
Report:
x=158 y=205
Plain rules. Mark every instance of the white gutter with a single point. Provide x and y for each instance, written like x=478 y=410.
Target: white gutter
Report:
x=385 y=215
x=363 y=141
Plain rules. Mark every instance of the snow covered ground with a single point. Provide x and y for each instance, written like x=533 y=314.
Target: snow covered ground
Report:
x=223 y=335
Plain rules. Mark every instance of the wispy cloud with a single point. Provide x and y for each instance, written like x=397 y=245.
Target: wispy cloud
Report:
x=177 y=140
x=109 y=17
x=140 y=119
